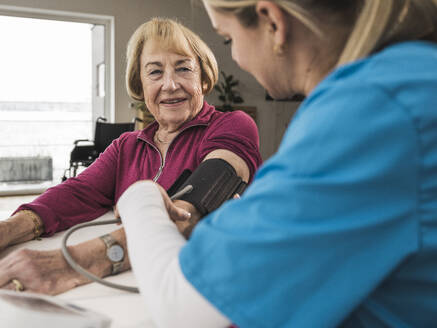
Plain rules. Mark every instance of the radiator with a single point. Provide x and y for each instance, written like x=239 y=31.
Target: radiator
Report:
x=26 y=169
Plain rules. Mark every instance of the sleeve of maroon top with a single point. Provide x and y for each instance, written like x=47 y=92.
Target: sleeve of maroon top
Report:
x=79 y=199
x=236 y=132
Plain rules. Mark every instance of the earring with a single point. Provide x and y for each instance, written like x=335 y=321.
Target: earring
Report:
x=278 y=49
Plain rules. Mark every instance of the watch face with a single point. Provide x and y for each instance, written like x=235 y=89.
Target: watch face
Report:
x=115 y=253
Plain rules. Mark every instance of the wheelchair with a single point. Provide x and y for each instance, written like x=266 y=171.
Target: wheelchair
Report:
x=86 y=151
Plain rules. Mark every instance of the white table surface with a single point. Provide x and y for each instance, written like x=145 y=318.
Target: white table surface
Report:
x=127 y=310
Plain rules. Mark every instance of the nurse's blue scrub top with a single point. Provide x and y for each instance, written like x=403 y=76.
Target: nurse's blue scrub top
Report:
x=339 y=227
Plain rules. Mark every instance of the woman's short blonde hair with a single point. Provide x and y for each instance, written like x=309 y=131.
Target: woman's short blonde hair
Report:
x=172 y=36
x=377 y=24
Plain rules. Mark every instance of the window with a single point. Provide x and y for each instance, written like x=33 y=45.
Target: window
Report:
x=54 y=84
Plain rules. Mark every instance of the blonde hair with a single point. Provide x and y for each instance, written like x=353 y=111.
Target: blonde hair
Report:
x=379 y=22
x=172 y=36
x=382 y=22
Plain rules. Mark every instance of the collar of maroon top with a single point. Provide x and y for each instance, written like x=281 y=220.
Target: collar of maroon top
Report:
x=202 y=118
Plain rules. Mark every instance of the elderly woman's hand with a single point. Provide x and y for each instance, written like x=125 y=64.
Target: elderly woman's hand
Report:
x=44 y=272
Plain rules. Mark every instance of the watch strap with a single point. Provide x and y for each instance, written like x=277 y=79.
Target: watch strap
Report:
x=108 y=240
x=116 y=267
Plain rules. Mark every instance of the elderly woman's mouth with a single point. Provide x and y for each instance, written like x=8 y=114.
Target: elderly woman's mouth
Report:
x=173 y=101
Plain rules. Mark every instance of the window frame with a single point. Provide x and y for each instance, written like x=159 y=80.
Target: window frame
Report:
x=69 y=16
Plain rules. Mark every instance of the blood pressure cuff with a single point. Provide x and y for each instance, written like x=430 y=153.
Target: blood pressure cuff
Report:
x=214 y=181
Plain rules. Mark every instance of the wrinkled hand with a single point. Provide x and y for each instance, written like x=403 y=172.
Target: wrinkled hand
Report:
x=44 y=272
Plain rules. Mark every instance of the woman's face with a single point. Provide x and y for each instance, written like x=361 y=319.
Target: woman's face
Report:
x=249 y=48
x=171 y=85
x=253 y=48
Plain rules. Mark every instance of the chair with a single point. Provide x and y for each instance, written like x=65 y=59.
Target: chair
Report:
x=86 y=151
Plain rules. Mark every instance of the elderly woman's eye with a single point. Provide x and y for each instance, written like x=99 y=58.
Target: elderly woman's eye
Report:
x=156 y=71
x=183 y=69
x=227 y=41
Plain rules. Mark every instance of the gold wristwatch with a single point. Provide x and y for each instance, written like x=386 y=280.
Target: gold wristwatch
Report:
x=114 y=252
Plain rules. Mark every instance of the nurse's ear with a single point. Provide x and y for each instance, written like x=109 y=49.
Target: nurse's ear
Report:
x=275 y=22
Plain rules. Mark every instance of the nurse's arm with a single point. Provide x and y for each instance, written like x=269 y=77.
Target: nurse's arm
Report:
x=154 y=244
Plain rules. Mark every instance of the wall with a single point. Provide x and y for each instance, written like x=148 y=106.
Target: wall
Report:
x=273 y=117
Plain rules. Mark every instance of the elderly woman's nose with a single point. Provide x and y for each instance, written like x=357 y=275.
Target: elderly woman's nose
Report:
x=169 y=82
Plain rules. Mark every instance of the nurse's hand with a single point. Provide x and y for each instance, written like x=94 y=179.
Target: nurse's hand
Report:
x=177 y=210
x=44 y=272
x=182 y=213
x=186 y=224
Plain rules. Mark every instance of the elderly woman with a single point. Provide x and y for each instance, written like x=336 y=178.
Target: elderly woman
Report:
x=339 y=228
x=171 y=69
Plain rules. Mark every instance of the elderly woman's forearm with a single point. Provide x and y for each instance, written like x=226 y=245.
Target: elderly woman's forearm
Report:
x=20 y=227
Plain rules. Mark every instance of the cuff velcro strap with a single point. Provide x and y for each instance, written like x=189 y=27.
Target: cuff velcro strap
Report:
x=214 y=181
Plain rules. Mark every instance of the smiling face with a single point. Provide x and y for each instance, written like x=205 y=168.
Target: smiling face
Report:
x=171 y=85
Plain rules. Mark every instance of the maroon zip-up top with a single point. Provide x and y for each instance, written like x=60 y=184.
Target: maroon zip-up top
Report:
x=134 y=156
